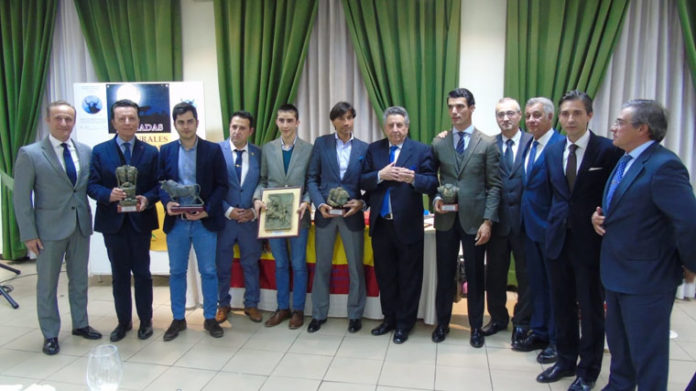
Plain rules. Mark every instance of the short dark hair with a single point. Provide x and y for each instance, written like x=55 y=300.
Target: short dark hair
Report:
x=59 y=103
x=463 y=93
x=340 y=109
x=182 y=108
x=125 y=103
x=245 y=115
x=651 y=113
x=289 y=107
x=577 y=95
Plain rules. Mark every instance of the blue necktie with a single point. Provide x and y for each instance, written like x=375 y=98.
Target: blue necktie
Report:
x=532 y=156
x=460 y=143
x=127 y=152
x=238 y=164
x=385 y=203
x=69 y=164
x=618 y=175
x=507 y=157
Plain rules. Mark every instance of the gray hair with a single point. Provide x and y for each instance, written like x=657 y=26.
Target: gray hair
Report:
x=651 y=113
x=545 y=103
x=57 y=103
x=396 y=110
x=508 y=99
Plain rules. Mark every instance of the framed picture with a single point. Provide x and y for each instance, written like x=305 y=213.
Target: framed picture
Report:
x=280 y=218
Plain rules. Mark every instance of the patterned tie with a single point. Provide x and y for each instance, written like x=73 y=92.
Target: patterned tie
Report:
x=532 y=156
x=507 y=157
x=617 y=179
x=127 y=152
x=571 y=166
x=385 y=203
x=238 y=164
x=69 y=164
x=460 y=143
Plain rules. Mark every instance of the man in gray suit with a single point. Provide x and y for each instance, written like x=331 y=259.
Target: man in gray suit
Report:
x=58 y=223
x=469 y=160
x=284 y=163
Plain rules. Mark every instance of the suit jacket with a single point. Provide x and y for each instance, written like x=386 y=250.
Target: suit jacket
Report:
x=509 y=220
x=406 y=199
x=573 y=210
x=536 y=194
x=650 y=226
x=240 y=195
x=210 y=175
x=477 y=177
x=323 y=175
x=106 y=157
x=58 y=207
x=273 y=171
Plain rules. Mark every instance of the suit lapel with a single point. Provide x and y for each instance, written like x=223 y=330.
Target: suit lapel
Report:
x=630 y=175
x=229 y=161
x=521 y=152
x=587 y=159
x=138 y=150
x=503 y=166
x=84 y=165
x=405 y=154
x=253 y=166
x=468 y=152
x=333 y=156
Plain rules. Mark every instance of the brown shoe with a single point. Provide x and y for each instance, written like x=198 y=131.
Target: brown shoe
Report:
x=254 y=314
x=297 y=320
x=222 y=313
x=277 y=317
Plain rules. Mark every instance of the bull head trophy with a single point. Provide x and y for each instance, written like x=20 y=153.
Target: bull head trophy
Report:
x=187 y=196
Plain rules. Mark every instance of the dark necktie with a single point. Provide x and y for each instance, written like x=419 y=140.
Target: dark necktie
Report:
x=238 y=164
x=127 y=152
x=69 y=164
x=571 y=166
x=507 y=157
x=460 y=143
x=532 y=156
x=618 y=175
x=385 y=203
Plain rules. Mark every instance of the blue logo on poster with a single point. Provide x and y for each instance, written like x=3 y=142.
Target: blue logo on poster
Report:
x=91 y=104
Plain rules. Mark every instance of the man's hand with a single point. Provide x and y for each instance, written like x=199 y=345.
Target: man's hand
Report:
x=598 y=221
x=34 y=245
x=171 y=204
x=324 y=210
x=484 y=233
x=442 y=134
x=117 y=194
x=389 y=173
x=303 y=208
x=355 y=207
x=142 y=203
x=258 y=206
x=245 y=215
x=196 y=215
x=437 y=205
x=406 y=175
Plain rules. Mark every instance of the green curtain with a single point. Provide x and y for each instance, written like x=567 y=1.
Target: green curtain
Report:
x=133 y=40
x=261 y=50
x=408 y=54
x=26 y=35
x=687 y=14
x=553 y=46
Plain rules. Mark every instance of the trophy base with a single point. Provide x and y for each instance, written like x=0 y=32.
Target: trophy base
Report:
x=127 y=208
x=188 y=209
x=337 y=211
x=450 y=207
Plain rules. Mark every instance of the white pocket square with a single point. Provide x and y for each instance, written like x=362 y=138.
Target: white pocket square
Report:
x=596 y=168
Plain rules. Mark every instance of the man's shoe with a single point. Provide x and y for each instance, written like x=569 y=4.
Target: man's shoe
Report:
x=145 y=330
x=354 y=325
x=213 y=327
x=51 y=346
x=120 y=332
x=277 y=317
x=440 y=333
x=400 y=336
x=87 y=332
x=477 y=338
x=315 y=325
x=254 y=314
x=174 y=329
x=297 y=320
x=518 y=334
x=383 y=328
x=548 y=356
x=532 y=342
x=581 y=384
x=554 y=373
x=222 y=313
x=492 y=328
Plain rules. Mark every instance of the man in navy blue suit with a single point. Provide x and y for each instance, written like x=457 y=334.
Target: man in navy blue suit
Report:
x=337 y=162
x=648 y=223
x=578 y=168
x=243 y=163
x=126 y=235
x=396 y=173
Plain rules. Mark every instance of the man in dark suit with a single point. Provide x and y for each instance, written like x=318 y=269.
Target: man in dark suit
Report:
x=507 y=237
x=243 y=162
x=468 y=159
x=578 y=168
x=648 y=223
x=396 y=173
x=337 y=162
x=192 y=161
x=56 y=222
x=126 y=235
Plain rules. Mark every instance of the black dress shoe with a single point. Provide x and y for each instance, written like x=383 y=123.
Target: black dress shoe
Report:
x=145 y=330
x=440 y=333
x=477 y=338
x=518 y=334
x=554 y=373
x=532 y=342
x=383 y=328
x=493 y=327
x=213 y=327
x=548 y=356
x=315 y=325
x=581 y=384
x=87 y=332
x=354 y=325
x=400 y=336
x=51 y=346
x=120 y=332
x=174 y=329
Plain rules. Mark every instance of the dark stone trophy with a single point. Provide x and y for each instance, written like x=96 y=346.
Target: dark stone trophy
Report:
x=177 y=192
x=126 y=178
x=449 y=192
x=337 y=198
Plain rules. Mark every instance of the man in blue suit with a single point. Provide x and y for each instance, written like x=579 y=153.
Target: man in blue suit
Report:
x=648 y=223
x=337 y=162
x=126 y=235
x=578 y=168
x=190 y=160
x=243 y=161
x=396 y=173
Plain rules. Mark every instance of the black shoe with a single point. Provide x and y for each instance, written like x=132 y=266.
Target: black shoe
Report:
x=440 y=333
x=400 y=336
x=213 y=327
x=477 y=338
x=120 y=332
x=145 y=330
x=354 y=325
x=51 y=346
x=581 y=384
x=554 y=373
x=532 y=342
x=548 y=356
x=174 y=329
x=518 y=334
x=315 y=325
x=383 y=328
x=493 y=327
x=87 y=332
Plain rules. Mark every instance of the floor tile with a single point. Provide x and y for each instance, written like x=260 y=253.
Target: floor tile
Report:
x=401 y=374
x=305 y=366
x=181 y=379
x=456 y=379
x=367 y=347
x=280 y=383
x=354 y=370
x=203 y=356
x=322 y=344
x=235 y=381
x=251 y=361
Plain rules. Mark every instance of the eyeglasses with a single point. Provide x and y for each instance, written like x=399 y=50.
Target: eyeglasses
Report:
x=502 y=114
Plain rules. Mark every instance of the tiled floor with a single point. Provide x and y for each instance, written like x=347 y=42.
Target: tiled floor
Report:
x=253 y=357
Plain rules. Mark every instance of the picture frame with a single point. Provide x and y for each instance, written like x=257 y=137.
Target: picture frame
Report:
x=280 y=218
